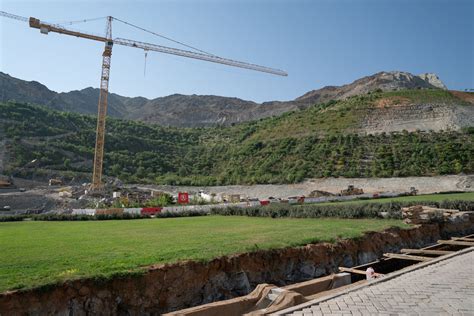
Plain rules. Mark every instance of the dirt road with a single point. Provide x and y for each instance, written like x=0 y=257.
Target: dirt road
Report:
x=335 y=185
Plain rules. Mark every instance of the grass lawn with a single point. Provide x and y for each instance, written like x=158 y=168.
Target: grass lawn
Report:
x=466 y=196
x=37 y=253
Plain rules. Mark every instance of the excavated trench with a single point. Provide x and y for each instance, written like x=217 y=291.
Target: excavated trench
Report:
x=394 y=264
x=171 y=287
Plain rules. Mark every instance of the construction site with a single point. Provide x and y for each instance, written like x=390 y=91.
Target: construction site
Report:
x=56 y=197
x=348 y=200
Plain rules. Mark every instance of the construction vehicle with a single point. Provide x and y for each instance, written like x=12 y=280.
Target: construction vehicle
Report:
x=6 y=182
x=413 y=191
x=53 y=182
x=45 y=28
x=351 y=190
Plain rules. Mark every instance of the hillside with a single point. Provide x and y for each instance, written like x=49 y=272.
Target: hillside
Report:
x=377 y=112
x=203 y=110
x=323 y=140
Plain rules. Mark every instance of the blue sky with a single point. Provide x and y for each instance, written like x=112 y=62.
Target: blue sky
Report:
x=318 y=43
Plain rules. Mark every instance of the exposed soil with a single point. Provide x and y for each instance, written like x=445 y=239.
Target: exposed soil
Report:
x=465 y=96
x=424 y=185
x=392 y=101
x=172 y=287
x=39 y=196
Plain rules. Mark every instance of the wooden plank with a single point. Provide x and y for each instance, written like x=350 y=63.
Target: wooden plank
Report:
x=456 y=243
x=463 y=239
x=406 y=257
x=351 y=270
x=426 y=251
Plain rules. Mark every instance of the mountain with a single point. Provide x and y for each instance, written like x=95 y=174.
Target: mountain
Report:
x=420 y=132
x=385 y=81
x=202 y=110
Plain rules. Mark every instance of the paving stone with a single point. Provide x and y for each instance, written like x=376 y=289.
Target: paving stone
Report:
x=444 y=288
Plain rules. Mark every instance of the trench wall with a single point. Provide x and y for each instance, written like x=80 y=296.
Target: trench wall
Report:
x=170 y=287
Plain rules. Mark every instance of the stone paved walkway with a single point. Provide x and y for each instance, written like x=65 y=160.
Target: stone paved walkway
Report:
x=444 y=288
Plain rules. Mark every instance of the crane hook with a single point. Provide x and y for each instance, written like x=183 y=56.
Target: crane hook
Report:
x=144 y=68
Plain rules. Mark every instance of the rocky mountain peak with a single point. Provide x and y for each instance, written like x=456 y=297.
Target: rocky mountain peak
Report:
x=205 y=110
x=433 y=80
x=385 y=80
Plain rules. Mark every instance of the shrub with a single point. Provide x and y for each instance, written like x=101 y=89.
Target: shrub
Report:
x=83 y=217
x=12 y=218
x=104 y=217
x=355 y=210
x=188 y=213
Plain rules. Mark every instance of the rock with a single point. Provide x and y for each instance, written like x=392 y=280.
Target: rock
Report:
x=365 y=257
x=423 y=214
x=433 y=80
x=307 y=270
x=347 y=261
x=319 y=271
x=241 y=283
x=103 y=294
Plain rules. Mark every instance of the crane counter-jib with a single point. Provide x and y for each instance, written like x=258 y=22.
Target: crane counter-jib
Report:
x=46 y=27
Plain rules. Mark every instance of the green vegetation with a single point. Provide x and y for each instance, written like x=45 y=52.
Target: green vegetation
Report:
x=360 y=209
x=311 y=143
x=429 y=198
x=39 y=253
x=335 y=117
x=98 y=217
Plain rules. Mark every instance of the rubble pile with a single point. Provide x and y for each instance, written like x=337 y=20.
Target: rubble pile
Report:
x=319 y=193
x=424 y=214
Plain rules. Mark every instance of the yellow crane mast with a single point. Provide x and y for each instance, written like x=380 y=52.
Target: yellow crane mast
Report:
x=102 y=110
x=45 y=28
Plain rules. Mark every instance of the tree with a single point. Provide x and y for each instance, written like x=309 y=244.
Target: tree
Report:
x=67 y=163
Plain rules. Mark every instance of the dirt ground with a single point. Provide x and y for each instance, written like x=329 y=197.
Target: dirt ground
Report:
x=41 y=197
x=424 y=185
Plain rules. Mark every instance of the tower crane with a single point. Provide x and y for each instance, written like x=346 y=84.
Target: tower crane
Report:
x=46 y=28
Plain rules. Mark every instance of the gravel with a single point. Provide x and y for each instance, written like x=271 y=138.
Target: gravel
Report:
x=425 y=185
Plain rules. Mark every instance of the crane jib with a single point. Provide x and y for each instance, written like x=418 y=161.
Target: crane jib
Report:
x=45 y=28
x=194 y=55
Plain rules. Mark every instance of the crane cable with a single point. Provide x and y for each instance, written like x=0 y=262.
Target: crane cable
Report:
x=80 y=21
x=144 y=68
x=165 y=37
x=24 y=19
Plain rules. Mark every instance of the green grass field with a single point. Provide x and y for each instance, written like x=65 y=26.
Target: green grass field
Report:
x=467 y=196
x=39 y=253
